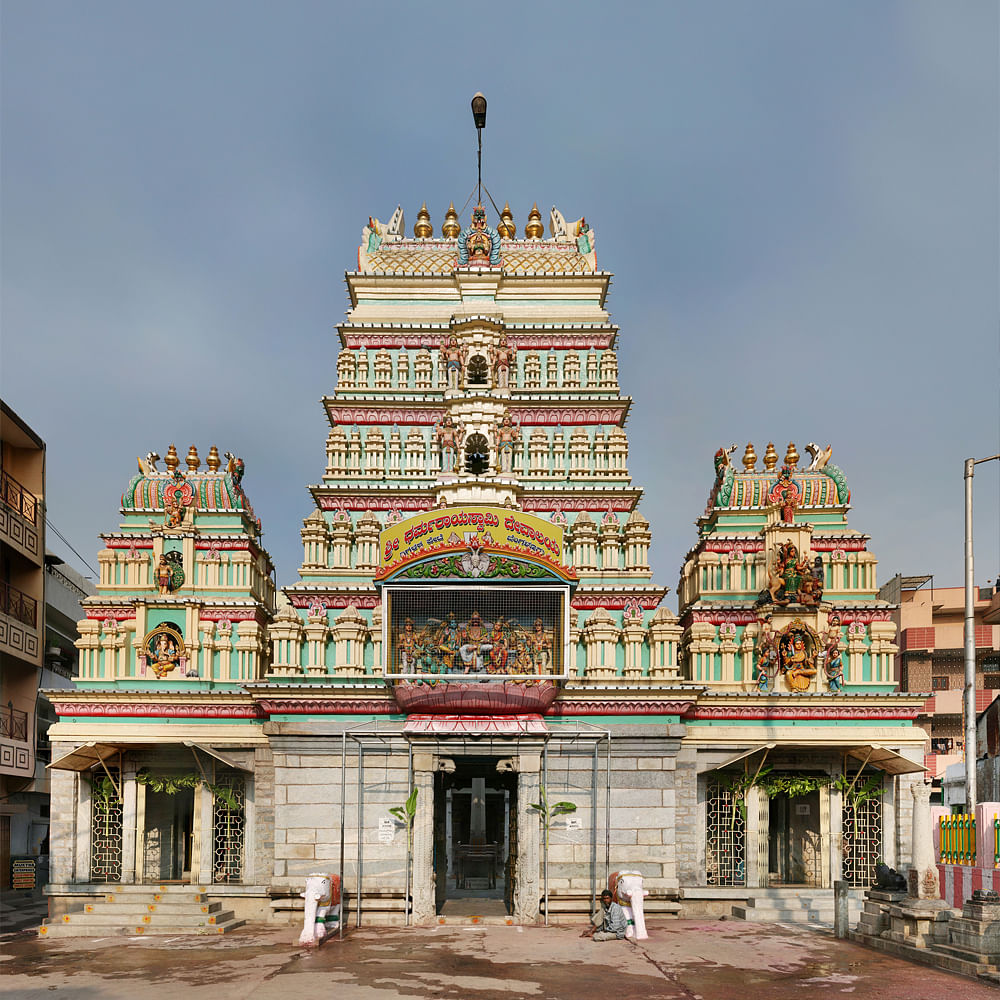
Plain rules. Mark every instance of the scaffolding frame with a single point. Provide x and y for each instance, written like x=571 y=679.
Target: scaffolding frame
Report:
x=381 y=736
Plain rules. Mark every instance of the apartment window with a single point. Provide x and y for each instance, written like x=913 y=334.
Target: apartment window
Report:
x=939 y=683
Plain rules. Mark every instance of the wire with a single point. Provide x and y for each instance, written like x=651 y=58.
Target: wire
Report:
x=66 y=542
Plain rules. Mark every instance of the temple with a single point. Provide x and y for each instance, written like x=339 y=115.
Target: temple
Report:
x=475 y=690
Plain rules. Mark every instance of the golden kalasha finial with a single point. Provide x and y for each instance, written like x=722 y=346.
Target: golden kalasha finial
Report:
x=451 y=228
x=770 y=457
x=507 y=229
x=213 y=461
x=533 y=229
x=749 y=458
x=422 y=228
x=193 y=461
x=791 y=456
x=171 y=461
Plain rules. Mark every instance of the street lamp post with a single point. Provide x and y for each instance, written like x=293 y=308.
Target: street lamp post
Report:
x=970 y=640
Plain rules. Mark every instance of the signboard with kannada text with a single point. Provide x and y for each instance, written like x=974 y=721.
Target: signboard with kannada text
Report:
x=475 y=531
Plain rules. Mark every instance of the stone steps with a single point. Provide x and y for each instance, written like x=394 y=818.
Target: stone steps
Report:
x=794 y=906
x=144 y=910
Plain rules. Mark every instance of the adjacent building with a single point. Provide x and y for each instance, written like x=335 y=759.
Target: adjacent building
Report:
x=931 y=658
x=22 y=598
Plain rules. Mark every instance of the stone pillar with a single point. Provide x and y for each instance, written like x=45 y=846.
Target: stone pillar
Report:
x=923 y=876
x=527 y=887
x=422 y=871
x=130 y=833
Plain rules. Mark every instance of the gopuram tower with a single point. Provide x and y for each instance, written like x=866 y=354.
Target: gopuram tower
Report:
x=476 y=564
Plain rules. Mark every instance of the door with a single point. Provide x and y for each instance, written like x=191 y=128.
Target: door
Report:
x=167 y=837
x=795 y=854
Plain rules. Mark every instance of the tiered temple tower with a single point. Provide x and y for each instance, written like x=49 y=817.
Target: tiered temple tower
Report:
x=488 y=379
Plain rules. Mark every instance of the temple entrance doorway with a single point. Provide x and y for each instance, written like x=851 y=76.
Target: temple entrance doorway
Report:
x=794 y=842
x=167 y=838
x=475 y=840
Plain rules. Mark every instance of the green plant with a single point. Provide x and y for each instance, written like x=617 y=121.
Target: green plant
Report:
x=548 y=813
x=406 y=814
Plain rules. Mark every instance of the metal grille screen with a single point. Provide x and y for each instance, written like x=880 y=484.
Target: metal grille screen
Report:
x=106 y=836
x=476 y=630
x=229 y=830
x=862 y=840
x=726 y=843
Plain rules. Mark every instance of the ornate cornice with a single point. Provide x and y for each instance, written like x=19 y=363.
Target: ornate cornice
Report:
x=616 y=602
x=801 y=712
x=328 y=706
x=566 y=707
x=145 y=710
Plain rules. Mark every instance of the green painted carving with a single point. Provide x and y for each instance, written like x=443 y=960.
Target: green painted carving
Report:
x=726 y=488
x=843 y=493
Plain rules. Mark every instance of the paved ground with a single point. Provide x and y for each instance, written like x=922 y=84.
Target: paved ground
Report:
x=682 y=960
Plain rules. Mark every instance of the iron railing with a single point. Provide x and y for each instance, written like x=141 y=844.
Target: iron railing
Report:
x=18 y=605
x=958 y=839
x=14 y=724
x=17 y=497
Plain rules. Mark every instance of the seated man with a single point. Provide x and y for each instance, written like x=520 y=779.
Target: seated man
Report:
x=609 y=920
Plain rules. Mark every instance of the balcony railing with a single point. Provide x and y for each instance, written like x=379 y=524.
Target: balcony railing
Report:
x=18 y=605
x=15 y=496
x=14 y=724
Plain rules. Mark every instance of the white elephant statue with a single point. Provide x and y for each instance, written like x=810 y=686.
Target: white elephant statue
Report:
x=322 y=914
x=628 y=893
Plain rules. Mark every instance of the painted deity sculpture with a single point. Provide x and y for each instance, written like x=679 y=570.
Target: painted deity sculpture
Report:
x=503 y=358
x=792 y=580
x=479 y=244
x=767 y=657
x=797 y=652
x=448 y=436
x=508 y=436
x=626 y=888
x=833 y=661
x=451 y=353
x=322 y=910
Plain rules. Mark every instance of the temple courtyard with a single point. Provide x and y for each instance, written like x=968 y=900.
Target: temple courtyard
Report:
x=681 y=960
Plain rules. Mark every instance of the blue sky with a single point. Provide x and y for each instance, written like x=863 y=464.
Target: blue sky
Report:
x=799 y=202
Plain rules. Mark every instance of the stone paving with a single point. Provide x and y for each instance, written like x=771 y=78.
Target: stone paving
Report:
x=682 y=960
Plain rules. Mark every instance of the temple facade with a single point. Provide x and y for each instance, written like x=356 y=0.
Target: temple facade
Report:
x=475 y=690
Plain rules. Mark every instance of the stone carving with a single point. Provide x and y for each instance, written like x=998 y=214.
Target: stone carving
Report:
x=479 y=244
x=322 y=910
x=626 y=888
x=888 y=879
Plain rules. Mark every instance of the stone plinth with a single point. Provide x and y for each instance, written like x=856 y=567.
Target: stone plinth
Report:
x=977 y=930
x=919 y=922
x=874 y=919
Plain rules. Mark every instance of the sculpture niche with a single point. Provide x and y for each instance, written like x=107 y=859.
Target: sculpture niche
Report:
x=626 y=888
x=322 y=916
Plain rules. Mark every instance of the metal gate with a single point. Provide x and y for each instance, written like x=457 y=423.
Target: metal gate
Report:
x=725 y=853
x=862 y=825
x=229 y=829
x=106 y=833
